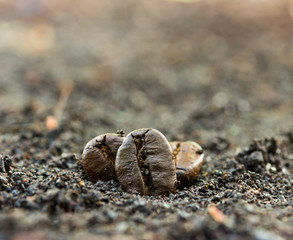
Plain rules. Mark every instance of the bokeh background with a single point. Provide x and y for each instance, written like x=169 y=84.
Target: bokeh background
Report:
x=192 y=69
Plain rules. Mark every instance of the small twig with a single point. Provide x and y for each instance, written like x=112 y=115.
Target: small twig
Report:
x=53 y=122
x=66 y=88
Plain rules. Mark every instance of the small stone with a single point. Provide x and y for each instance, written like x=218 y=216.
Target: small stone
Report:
x=3 y=180
x=123 y=227
x=182 y=215
x=262 y=234
x=2 y=167
x=256 y=156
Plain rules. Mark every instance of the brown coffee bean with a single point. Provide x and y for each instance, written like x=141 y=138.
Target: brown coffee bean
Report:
x=145 y=164
x=98 y=157
x=188 y=160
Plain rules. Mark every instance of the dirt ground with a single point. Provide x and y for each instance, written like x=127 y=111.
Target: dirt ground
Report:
x=215 y=72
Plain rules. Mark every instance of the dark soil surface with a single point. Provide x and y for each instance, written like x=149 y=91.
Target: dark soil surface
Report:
x=215 y=72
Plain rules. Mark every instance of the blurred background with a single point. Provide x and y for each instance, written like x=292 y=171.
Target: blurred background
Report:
x=194 y=70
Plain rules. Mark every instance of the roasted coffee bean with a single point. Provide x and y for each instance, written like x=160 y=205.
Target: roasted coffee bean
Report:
x=145 y=164
x=188 y=160
x=98 y=157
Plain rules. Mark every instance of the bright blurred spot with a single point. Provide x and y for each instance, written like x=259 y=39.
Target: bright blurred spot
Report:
x=51 y=123
x=35 y=39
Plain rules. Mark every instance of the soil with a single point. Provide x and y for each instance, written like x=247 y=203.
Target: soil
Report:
x=215 y=72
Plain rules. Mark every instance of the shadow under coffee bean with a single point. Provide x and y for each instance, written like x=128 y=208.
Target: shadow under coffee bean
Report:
x=144 y=163
x=98 y=157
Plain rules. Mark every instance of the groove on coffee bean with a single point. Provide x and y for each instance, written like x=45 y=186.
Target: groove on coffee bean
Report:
x=143 y=162
x=106 y=151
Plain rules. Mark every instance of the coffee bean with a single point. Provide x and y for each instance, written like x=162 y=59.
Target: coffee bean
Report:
x=145 y=164
x=98 y=157
x=188 y=160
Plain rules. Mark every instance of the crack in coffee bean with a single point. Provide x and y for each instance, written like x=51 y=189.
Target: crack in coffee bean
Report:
x=106 y=151
x=188 y=160
x=143 y=162
x=176 y=151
